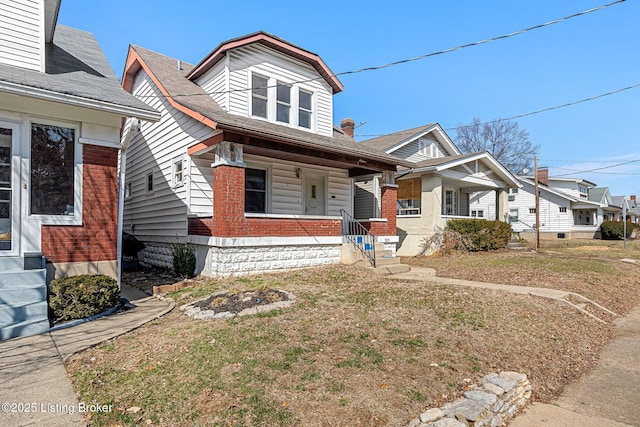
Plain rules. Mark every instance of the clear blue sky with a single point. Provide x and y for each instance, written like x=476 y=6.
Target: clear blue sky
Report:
x=572 y=60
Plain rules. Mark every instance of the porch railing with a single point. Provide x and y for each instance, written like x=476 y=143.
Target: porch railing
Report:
x=354 y=233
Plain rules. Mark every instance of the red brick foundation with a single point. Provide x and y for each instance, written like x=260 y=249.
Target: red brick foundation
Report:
x=96 y=238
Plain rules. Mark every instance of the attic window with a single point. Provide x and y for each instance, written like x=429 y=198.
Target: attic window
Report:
x=283 y=103
x=304 y=109
x=259 y=96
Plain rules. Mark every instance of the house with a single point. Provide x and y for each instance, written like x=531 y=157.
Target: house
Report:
x=633 y=214
x=245 y=164
x=61 y=108
x=437 y=186
x=611 y=210
x=566 y=207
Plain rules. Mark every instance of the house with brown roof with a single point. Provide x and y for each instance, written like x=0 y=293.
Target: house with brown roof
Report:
x=245 y=163
x=436 y=187
x=61 y=110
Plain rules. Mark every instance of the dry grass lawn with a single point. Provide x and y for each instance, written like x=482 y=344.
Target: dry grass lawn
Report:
x=357 y=349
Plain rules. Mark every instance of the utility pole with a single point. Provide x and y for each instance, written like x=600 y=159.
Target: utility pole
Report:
x=535 y=165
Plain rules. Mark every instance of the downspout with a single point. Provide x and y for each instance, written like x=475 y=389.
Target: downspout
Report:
x=131 y=127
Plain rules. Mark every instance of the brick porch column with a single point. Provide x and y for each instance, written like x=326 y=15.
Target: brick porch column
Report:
x=228 y=191
x=388 y=203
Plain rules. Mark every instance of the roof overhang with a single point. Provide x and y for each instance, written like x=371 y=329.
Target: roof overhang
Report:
x=272 y=42
x=78 y=101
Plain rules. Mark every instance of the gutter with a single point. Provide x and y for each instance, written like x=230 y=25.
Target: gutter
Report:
x=79 y=101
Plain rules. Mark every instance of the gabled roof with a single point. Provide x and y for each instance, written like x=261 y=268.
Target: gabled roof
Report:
x=600 y=195
x=394 y=141
x=273 y=42
x=192 y=100
x=531 y=181
x=619 y=201
x=77 y=73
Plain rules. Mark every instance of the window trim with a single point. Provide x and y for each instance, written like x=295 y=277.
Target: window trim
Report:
x=47 y=219
x=305 y=110
x=174 y=163
x=147 y=174
x=280 y=102
x=253 y=94
x=562 y=209
x=267 y=187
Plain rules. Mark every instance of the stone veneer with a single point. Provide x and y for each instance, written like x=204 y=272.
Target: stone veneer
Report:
x=490 y=404
x=243 y=260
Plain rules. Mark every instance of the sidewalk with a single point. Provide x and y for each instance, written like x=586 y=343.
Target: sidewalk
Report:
x=608 y=396
x=34 y=387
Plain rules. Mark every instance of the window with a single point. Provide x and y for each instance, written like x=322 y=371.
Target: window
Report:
x=149 y=182
x=427 y=148
x=259 y=96
x=563 y=209
x=512 y=198
x=408 y=207
x=255 y=190
x=178 y=172
x=283 y=102
x=532 y=210
x=514 y=191
x=477 y=213
x=304 y=109
x=52 y=170
x=450 y=202
x=513 y=216
x=128 y=188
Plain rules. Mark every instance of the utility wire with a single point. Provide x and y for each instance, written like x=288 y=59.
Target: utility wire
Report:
x=598 y=169
x=416 y=58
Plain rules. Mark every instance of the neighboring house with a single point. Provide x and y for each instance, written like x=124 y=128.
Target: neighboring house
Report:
x=245 y=163
x=566 y=208
x=437 y=186
x=61 y=108
x=634 y=210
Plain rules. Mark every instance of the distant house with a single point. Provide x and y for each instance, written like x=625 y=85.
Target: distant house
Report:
x=245 y=163
x=569 y=207
x=60 y=117
x=437 y=186
x=611 y=209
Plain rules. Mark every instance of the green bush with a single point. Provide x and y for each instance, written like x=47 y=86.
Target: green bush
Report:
x=614 y=230
x=484 y=235
x=184 y=259
x=78 y=297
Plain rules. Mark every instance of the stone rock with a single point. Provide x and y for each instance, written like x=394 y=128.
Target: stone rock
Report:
x=492 y=388
x=515 y=376
x=431 y=415
x=414 y=423
x=471 y=409
x=481 y=396
x=505 y=383
x=447 y=422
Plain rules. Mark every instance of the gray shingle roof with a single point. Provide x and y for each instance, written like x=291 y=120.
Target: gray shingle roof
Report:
x=75 y=65
x=192 y=96
x=596 y=194
x=387 y=141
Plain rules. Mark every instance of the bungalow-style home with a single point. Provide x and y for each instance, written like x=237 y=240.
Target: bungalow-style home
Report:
x=60 y=117
x=245 y=163
x=611 y=210
x=436 y=187
x=566 y=210
x=633 y=214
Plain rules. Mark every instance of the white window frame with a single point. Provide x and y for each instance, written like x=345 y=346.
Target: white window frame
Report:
x=253 y=95
x=267 y=201
x=511 y=198
x=532 y=211
x=128 y=190
x=175 y=181
x=562 y=209
x=280 y=102
x=301 y=109
x=76 y=218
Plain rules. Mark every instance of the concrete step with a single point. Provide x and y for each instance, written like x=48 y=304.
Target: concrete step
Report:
x=23 y=329
x=19 y=313
x=386 y=270
x=12 y=278
x=22 y=295
x=380 y=261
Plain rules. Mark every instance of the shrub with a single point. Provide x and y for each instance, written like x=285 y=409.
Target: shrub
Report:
x=484 y=235
x=445 y=241
x=184 y=259
x=78 y=297
x=614 y=230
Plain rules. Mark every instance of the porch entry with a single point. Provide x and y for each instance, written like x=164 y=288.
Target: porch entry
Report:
x=8 y=182
x=315 y=194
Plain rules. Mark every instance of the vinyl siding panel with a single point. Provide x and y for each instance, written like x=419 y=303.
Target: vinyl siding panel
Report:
x=367 y=197
x=269 y=63
x=22 y=33
x=551 y=219
x=215 y=83
x=162 y=212
x=411 y=151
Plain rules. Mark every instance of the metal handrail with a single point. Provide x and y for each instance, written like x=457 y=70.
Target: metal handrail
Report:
x=509 y=218
x=357 y=235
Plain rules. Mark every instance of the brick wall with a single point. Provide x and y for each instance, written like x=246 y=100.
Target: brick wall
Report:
x=388 y=211
x=96 y=238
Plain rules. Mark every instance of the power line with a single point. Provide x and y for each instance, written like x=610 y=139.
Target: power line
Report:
x=598 y=172
x=601 y=168
x=416 y=58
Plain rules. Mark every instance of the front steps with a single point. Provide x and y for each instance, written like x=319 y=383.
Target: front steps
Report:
x=23 y=299
x=385 y=259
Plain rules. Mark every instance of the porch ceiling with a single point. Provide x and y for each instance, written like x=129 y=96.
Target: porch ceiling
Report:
x=292 y=152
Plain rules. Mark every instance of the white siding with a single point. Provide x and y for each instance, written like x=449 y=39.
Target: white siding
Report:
x=216 y=84
x=411 y=151
x=286 y=190
x=269 y=63
x=22 y=33
x=162 y=213
x=367 y=198
x=551 y=219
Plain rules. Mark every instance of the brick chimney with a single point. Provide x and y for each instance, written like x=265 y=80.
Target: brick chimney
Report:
x=543 y=176
x=633 y=197
x=348 y=126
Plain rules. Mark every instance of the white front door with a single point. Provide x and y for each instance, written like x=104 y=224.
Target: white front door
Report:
x=315 y=195
x=9 y=183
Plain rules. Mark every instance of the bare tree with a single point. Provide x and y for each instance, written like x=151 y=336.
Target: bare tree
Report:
x=502 y=138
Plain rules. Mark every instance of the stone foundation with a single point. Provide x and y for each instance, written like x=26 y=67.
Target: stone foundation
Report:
x=490 y=404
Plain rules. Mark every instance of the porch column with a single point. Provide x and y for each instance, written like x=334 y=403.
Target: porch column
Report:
x=228 y=190
x=431 y=204
x=388 y=202
x=502 y=204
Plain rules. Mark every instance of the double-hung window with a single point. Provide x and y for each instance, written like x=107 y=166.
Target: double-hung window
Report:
x=259 y=98
x=283 y=102
x=304 y=109
x=255 y=190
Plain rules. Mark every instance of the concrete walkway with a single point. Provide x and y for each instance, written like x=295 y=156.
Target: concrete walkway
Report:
x=34 y=387
x=608 y=396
